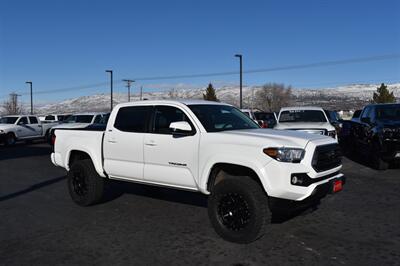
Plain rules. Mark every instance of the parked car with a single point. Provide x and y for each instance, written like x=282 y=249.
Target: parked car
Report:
x=249 y=113
x=265 y=119
x=22 y=127
x=203 y=146
x=59 y=118
x=307 y=119
x=80 y=120
x=376 y=135
x=335 y=120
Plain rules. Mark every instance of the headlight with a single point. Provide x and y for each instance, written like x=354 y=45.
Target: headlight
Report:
x=332 y=134
x=1 y=131
x=291 y=155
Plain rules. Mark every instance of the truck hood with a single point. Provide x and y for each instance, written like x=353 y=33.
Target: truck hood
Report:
x=277 y=138
x=6 y=126
x=305 y=125
x=71 y=125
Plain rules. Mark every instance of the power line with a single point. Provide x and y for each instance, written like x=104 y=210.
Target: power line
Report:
x=227 y=73
x=279 y=68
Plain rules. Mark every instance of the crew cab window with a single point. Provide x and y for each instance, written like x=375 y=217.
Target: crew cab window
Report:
x=164 y=116
x=33 y=120
x=23 y=121
x=50 y=117
x=133 y=118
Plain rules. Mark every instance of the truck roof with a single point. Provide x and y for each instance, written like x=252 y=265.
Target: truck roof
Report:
x=177 y=101
x=301 y=108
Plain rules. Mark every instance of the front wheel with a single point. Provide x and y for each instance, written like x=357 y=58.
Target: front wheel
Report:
x=238 y=209
x=10 y=139
x=85 y=186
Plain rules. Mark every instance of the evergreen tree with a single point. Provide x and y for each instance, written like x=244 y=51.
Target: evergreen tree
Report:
x=210 y=94
x=383 y=95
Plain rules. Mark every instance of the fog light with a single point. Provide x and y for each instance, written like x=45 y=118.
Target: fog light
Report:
x=297 y=180
x=300 y=179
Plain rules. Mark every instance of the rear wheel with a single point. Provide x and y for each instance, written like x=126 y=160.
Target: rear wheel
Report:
x=85 y=186
x=238 y=209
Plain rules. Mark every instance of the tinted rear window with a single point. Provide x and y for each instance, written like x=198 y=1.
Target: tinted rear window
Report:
x=133 y=118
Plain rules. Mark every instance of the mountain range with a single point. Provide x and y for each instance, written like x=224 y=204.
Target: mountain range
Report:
x=348 y=97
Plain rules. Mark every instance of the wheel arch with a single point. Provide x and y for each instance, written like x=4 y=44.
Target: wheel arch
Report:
x=220 y=170
x=79 y=154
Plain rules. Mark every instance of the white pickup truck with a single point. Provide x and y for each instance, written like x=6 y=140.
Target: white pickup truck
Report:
x=22 y=127
x=209 y=147
x=311 y=120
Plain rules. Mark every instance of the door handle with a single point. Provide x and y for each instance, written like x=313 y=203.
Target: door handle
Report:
x=151 y=143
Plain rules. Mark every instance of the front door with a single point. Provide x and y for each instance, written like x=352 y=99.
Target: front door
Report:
x=170 y=159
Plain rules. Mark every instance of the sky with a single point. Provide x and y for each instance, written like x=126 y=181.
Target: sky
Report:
x=70 y=44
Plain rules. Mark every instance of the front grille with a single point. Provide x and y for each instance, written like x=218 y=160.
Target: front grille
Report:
x=326 y=157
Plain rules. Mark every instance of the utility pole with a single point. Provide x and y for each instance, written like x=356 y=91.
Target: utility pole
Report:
x=30 y=84
x=141 y=92
x=128 y=84
x=241 y=73
x=111 y=86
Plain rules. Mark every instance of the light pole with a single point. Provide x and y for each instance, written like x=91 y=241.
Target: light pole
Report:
x=129 y=81
x=241 y=71
x=30 y=85
x=111 y=86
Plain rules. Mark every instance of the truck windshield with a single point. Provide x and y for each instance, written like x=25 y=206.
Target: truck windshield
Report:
x=391 y=112
x=8 y=120
x=302 y=116
x=215 y=118
x=79 y=119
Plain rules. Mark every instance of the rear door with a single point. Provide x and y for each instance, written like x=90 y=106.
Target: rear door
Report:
x=171 y=159
x=123 y=143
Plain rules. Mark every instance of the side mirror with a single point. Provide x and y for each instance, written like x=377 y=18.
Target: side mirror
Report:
x=366 y=120
x=180 y=127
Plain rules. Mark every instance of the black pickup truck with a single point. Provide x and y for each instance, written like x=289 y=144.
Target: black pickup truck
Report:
x=375 y=136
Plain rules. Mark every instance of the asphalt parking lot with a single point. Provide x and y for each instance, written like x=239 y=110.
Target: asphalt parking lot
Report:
x=39 y=223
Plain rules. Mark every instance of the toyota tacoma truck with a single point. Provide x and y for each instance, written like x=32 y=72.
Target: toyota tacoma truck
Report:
x=375 y=135
x=202 y=146
x=22 y=127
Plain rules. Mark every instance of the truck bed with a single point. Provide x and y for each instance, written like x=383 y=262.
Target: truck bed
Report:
x=87 y=140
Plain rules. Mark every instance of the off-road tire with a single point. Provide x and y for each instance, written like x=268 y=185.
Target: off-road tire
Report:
x=85 y=186
x=238 y=199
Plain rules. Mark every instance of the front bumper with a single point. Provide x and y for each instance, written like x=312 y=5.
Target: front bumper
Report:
x=319 y=192
x=391 y=150
x=3 y=137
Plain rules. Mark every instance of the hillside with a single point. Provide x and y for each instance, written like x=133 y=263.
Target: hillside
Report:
x=339 y=98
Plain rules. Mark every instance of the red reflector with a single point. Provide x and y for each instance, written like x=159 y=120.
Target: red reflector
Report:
x=337 y=186
x=53 y=139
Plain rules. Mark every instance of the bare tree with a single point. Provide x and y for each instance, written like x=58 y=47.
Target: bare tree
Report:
x=272 y=96
x=11 y=106
x=173 y=93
